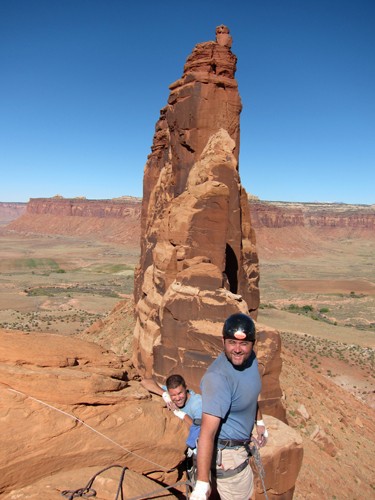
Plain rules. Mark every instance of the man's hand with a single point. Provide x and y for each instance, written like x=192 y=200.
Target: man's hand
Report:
x=201 y=491
x=170 y=405
x=262 y=433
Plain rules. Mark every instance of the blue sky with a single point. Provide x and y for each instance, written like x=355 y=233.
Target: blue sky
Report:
x=82 y=83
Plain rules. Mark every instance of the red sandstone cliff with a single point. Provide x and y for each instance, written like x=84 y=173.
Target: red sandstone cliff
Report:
x=116 y=220
x=126 y=206
x=273 y=214
x=299 y=229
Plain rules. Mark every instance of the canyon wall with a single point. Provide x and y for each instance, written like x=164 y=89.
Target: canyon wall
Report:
x=115 y=221
x=126 y=206
x=273 y=214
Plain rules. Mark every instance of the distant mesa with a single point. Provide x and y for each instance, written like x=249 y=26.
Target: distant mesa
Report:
x=264 y=214
x=116 y=221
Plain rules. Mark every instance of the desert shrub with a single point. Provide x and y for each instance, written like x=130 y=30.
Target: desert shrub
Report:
x=307 y=308
x=293 y=307
x=267 y=306
x=323 y=310
x=300 y=309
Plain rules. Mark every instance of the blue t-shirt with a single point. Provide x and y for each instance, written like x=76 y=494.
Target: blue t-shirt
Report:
x=193 y=408
x=232 y=394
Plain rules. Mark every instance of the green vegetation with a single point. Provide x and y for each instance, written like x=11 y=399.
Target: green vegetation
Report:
x=300 y=309
x=38 y=263
x=320 y=315
x=111 y=268
x=47 y=321
x=355 y=295
x=311 y=348
x=56 y=291
x=266 y=306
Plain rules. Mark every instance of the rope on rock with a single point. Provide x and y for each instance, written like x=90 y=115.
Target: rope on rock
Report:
x=167 y=469
x=88 y=491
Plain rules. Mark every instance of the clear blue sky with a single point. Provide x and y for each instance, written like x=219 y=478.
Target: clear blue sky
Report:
x=82 y=83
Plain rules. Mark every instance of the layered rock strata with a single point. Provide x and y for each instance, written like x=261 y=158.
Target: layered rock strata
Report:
x=116 y=220
x=82 y=207
x=272 y=214
x=123 y=217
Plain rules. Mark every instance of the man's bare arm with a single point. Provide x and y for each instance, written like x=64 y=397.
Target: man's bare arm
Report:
x=152 y=386
x=262 y=433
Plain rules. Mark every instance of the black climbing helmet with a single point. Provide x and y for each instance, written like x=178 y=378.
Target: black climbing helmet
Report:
x=239 y=326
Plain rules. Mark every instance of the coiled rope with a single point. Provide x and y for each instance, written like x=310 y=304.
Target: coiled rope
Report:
x=259 y=465
x=88 y=491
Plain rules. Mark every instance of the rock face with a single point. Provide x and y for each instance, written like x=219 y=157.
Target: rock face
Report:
x=67 y=404
x=312 y=215
x=198 y=259
x=81 y=207
x=286 y=230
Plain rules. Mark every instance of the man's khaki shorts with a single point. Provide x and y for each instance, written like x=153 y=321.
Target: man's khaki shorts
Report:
x=241 y=485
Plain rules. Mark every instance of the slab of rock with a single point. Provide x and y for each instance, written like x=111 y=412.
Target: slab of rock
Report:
x=63 y=415
x=281 y=460
x=78 y=371
x=324 y=441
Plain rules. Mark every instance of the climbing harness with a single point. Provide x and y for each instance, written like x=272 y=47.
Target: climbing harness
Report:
x=252 y=449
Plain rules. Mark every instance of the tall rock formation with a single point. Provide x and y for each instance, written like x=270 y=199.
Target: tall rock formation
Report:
x=198 y=259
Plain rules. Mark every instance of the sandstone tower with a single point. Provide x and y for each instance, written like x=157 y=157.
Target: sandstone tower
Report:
x=198 y=259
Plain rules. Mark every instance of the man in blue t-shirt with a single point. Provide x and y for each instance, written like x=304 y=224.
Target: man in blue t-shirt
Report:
x=230 y=391
x=185 y=403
